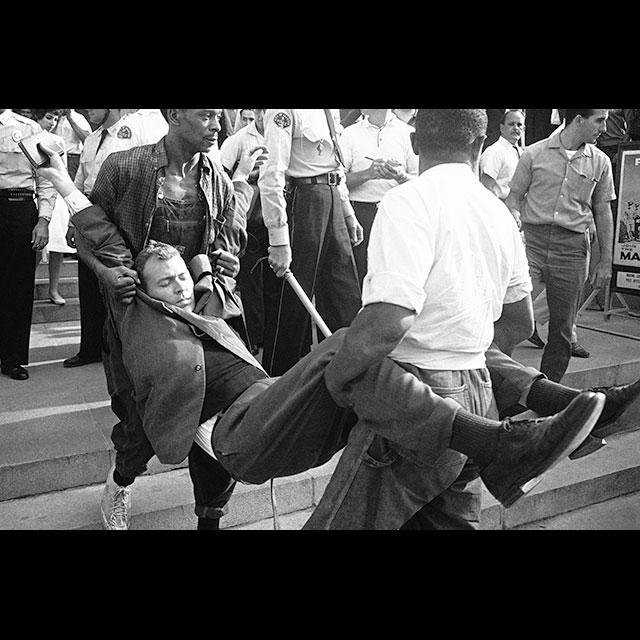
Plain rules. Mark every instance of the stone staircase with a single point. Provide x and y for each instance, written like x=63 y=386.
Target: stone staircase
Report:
x=43 y=309
x=55 y=448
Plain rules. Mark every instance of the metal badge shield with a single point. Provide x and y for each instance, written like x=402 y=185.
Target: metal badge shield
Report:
x=282 y=120
x=124 y=132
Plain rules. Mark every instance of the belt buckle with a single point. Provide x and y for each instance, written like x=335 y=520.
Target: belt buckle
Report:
x=333 y=178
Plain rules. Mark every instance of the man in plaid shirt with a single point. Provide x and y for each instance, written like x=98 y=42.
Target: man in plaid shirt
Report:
x=171 y=192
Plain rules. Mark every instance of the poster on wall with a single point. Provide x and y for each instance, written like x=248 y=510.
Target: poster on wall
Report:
x=626 y=246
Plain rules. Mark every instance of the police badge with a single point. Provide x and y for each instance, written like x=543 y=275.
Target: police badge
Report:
x=282 y=120
x=124 y=132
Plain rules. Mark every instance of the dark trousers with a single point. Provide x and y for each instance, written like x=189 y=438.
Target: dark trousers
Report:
x=212 y=484
x=258 y=285
x=17 y=279
x=558 y=261
x=92 y=313
x=366 y=213
x=323 y=264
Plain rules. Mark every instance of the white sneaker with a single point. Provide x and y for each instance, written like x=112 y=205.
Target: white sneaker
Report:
x=115 y=505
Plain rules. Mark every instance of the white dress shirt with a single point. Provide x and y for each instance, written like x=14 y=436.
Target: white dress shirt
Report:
x=72 y=143
x=389 y=142
x=234 y=146
x=444 y=247
x=499 y=161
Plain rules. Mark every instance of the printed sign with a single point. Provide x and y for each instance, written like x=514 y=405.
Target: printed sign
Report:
x=626 y=246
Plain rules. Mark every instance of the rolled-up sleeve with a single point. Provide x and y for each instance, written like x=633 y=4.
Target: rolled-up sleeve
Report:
x=604 y=190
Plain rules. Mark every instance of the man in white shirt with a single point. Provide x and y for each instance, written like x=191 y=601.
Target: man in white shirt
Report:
x=446 y=262
x=498 y=161
x=73 y=128
x=377 y=156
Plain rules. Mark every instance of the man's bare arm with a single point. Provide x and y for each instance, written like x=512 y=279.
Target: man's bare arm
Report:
x=374 y=333
x=514 y=325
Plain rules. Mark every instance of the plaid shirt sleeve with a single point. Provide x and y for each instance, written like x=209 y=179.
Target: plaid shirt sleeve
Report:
x=232 y=234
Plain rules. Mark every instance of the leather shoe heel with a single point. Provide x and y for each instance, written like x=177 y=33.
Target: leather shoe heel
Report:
x=529 y=448
x=77 y=361
x=17 y=373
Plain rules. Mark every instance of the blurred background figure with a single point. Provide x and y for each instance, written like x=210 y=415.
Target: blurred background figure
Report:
x=25 y=113
x=57 y=246
x=408 y=116
x=73 y=128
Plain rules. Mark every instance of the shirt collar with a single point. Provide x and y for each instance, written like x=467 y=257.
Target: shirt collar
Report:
x=389 y=121
x=5 y=116
x=554 y=143
x=506 y=143
x=251 y=130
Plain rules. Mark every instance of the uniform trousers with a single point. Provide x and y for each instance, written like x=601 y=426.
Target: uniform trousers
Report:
x=323 y=264
x=558 y=260
x=18 y=217
x=92 y=313
x=365 y=213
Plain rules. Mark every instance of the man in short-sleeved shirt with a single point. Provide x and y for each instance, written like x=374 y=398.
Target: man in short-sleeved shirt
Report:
x=498 y=161
x=561 y=185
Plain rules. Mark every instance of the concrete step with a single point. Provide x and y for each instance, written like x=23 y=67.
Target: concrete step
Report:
x=617 y=514
x=68 y=288
x=46 y=311
x=165 y=501
x=68 y=269
x=573 y=495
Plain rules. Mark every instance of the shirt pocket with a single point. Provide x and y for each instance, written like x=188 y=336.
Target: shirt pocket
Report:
x=582 y=184
x=8 y=143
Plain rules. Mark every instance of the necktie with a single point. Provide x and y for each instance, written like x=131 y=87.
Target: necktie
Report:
x=517 y=148
x=103 y=135
x=334 y=138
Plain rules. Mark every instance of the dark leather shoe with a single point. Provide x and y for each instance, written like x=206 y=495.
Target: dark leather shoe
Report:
x=78 y=361
x=578 y=351
x=536 y=340
x=528 y=448
x=621 y=414
x=17 y=373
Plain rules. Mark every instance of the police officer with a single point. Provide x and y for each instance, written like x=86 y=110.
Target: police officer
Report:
x=311 y=229
x=24 y=229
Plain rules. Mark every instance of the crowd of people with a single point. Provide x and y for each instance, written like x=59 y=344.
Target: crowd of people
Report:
x=422 y=239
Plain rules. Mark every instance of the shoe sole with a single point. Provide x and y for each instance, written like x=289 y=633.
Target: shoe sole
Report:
x=628 y=420
x=564 y=448
x=589 y=446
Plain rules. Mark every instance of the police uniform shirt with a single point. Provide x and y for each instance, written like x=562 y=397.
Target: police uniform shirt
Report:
x=119 y=137
x=300 y=146
x=15 y=170
x=147 y=126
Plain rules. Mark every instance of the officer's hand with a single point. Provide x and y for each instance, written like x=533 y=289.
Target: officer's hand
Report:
x=56 y=172
x=280 y=259
x=40 y=235
x=601 y=275
x=356 y=234
x=121 y=282
x=249 y=160
x=225 y=263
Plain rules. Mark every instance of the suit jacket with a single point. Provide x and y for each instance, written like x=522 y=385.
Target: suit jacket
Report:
x=164 y=357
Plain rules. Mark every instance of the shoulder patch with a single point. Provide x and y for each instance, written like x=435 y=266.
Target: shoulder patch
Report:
x=124 y=132
x=282 y=120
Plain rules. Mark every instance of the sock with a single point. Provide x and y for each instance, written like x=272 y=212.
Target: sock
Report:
x=208 y=524
x=121 y=481
x=475 y=436
x=547 y=398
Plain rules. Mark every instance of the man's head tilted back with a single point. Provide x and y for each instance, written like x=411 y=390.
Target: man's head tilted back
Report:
x=164 y=275
x=456 y=135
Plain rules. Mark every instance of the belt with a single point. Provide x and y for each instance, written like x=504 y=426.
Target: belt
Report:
x=16 y=195
x=333 y=178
